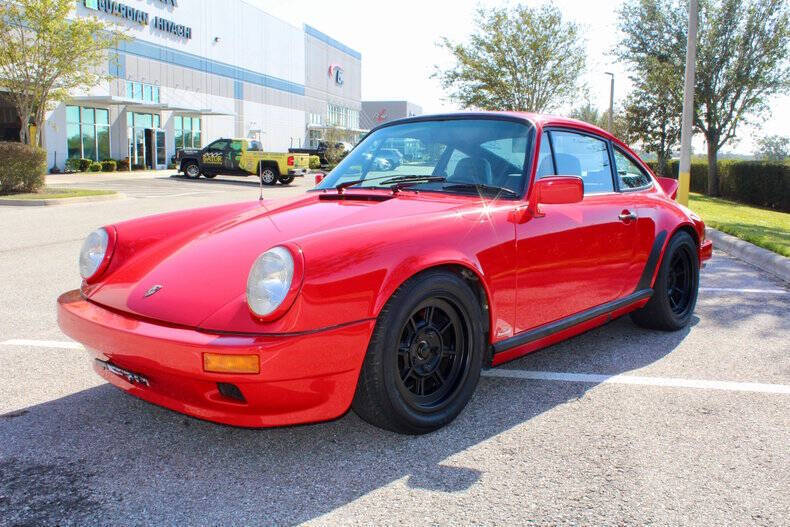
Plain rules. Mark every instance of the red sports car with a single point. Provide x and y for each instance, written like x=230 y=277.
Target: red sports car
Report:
x=387 y=291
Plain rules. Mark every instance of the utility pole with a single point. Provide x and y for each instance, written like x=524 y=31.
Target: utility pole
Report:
x=684 y=170
x=611 y=102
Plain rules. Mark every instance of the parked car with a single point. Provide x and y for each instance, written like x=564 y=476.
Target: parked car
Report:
x=388 y=293
x=393 y=156
x=241 y=157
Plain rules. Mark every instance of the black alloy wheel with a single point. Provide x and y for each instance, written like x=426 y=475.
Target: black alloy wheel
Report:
x=425 y=355
x=433 y=354
x=675 y=289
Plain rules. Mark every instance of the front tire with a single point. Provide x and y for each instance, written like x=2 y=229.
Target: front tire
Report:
x=192 y=170
x=424 y=358
x=675 y=291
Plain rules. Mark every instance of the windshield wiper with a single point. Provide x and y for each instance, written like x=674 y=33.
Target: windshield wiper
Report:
x=402 y=178
x=480 y=186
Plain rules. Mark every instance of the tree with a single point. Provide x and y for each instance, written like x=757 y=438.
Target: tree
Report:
x=773 y=148
x=653 y=110
x=742 y=59
x=591 y=114
x=518 y=59
x=45 y=54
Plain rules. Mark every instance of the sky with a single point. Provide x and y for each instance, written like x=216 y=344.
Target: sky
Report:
x=397 y=40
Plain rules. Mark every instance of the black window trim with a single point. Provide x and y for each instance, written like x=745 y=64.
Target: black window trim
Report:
x=570 y=129
x=649 y=186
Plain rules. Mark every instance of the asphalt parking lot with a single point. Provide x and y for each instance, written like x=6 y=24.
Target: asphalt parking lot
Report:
x=617 y=426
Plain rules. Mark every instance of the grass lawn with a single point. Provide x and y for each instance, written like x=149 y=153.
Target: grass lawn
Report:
x=766 y=228
x=58 y=193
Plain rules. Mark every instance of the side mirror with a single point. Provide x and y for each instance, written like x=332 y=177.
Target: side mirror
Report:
x=319 y=177
x=555 y=190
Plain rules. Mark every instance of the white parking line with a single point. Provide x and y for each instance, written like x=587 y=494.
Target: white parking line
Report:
x=744 y=290
x=63 y=344
x=633 y=379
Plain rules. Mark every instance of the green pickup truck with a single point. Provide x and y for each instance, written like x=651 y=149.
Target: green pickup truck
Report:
x=241 y=157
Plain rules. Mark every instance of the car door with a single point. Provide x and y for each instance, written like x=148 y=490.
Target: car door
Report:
x=576 y=256
x=230 y=161
x=634 y=186
x=213 y=155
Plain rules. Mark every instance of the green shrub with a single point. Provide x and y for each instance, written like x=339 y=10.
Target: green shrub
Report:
x=171 y=166
x=761 y=183
x=95 y=166
x=122 y=164
x=315 y=162
x=108 y=165
x=73 y=164
x=85 y=164
x=138 y=167
x=22 y=167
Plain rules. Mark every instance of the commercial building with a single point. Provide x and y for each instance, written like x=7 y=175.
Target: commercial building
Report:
x=196 y=70
x=375 y=113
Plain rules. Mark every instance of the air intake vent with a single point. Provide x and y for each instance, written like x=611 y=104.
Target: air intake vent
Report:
x=355 y=197
x=231 y=391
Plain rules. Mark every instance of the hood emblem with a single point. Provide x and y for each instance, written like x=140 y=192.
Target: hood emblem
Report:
x=152 y=290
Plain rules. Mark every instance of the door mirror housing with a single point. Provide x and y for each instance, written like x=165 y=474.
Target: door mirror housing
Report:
x=555 y=190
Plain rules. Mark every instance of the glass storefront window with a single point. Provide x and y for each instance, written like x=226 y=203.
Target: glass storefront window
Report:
x=156 y=94
x=156 y=121
x=129 y=90
x=88 y=133
x=187 y=131
x=147 y=92
x=138 y=91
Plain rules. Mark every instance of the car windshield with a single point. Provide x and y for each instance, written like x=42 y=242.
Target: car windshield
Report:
x=459 y=156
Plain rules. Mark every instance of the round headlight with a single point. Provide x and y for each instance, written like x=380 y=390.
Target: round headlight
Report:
x=270 y=280
x=93 y=250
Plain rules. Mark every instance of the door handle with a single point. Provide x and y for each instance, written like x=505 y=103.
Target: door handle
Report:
x=627 y=215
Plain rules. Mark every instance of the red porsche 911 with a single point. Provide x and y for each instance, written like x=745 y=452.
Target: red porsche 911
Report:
x=388 y=289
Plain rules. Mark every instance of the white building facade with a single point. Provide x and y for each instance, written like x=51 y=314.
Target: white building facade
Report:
x=197 y=70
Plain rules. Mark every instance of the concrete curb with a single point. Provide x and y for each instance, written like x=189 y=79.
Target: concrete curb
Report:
x=766 y=260
x=59 y=201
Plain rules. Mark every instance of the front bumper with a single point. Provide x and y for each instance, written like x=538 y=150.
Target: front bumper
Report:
x=303 y=378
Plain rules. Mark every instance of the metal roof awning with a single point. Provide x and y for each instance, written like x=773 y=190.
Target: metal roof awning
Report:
x=113 y=100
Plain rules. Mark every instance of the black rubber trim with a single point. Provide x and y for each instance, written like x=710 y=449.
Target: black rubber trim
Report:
x=568 y=322
x=645 y=281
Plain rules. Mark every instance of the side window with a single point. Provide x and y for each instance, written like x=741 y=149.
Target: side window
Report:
x=235 y=146
x=584 y=156
x=219 y=144
x=629 y=174
x=545 y=161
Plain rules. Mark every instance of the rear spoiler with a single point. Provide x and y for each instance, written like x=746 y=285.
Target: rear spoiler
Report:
x=670 y=186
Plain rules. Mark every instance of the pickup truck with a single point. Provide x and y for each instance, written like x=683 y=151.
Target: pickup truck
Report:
x=241 y=157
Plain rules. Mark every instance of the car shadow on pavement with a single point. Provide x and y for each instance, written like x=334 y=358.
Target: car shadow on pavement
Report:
x=100 y=456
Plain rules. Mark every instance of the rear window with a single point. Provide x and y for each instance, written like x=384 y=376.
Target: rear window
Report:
x=256 y=145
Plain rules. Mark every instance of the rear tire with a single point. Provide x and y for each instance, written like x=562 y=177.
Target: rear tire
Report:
x=268 y=175
x=424 y=358
x=675 y=291
x=209 y=176
x=286 y=180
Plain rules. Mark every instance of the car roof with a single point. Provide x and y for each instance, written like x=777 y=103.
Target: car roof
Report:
x=540 y=119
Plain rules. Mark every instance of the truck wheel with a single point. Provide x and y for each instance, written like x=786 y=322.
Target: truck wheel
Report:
x=209 y=176
x=268 y=175
x=191 y=170
x=286 y=180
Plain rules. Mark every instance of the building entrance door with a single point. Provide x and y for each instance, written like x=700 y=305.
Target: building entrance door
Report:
x=161 y=151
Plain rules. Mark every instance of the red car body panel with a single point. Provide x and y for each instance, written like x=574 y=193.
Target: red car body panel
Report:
x=357 y=248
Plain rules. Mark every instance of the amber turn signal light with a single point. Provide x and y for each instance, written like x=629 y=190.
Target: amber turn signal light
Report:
x=221 y=363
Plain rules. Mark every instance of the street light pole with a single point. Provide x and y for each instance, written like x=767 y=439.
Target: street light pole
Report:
x=684 y=170
x=611 y=101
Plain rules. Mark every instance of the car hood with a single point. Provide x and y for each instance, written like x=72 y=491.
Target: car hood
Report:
x=203 y=268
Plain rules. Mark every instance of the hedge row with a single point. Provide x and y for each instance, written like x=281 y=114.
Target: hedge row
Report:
x=761 y=183
x=22 y=167
x=88 y=165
